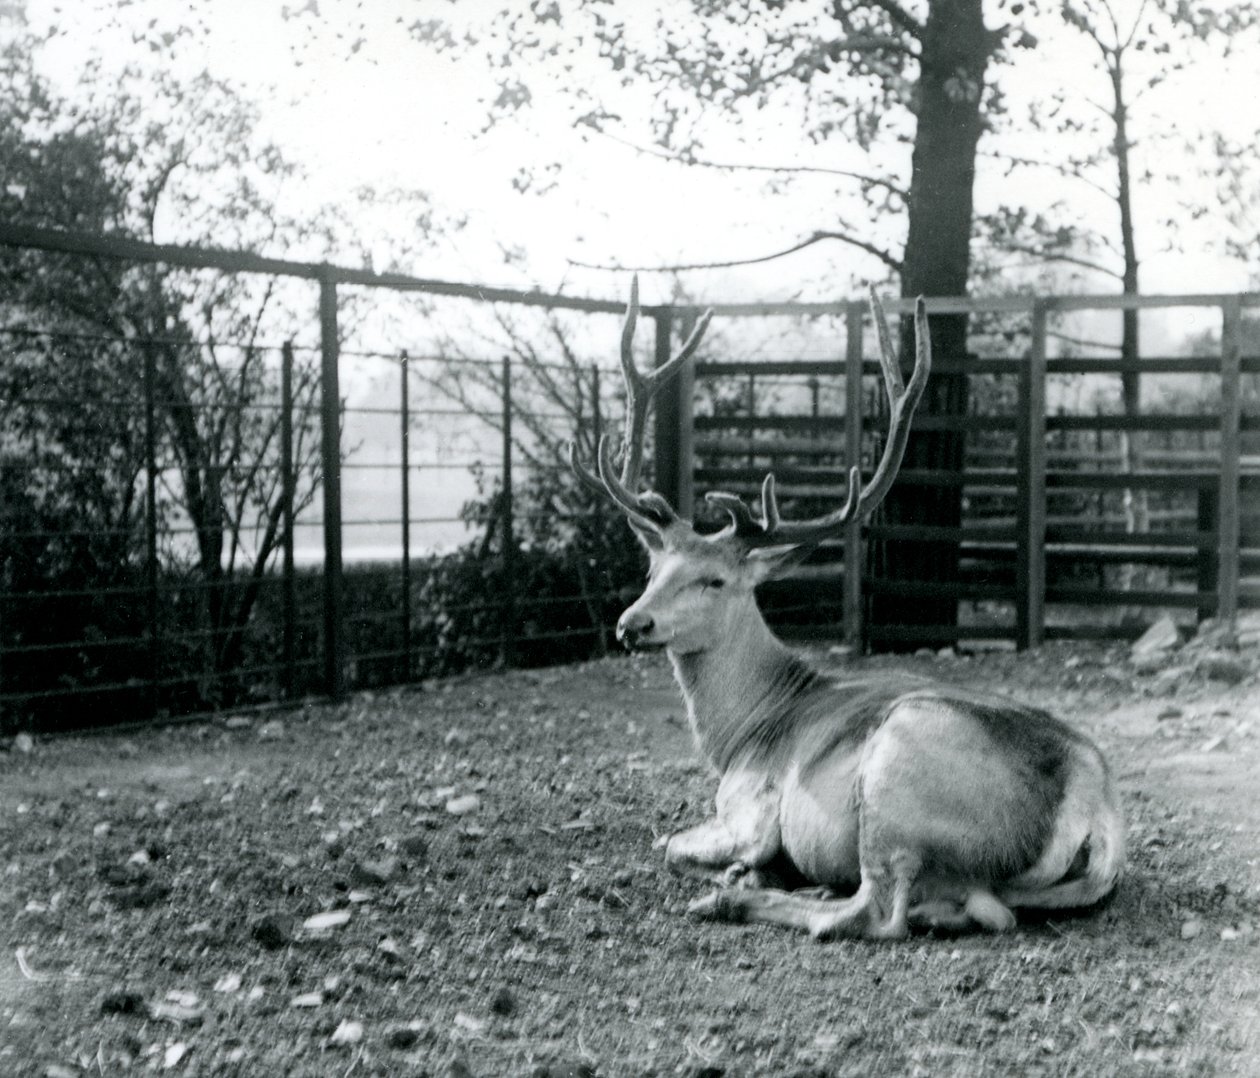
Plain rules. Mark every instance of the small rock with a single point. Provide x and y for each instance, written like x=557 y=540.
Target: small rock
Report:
x=1169 y=713
x=1149 y=662
x=461 y=806
x=271 y=730
x=1162 y=636
x=273 y=931
x=374 y=873
x=1192 y=929
x=469 y=1023
x=140 y=896
x=238 y=722
x=308 y=999
x=503 y=1003
x=401 y=1036
x=389 y=950
x=416 y=846
x=564 y=1070
x=924 y=653
x=122 y=1001
x=23 y=743
x=322 y=922
x=348 y=1032
x=229 y=982
x=181 y=1014
x=1221 y=666
x=1228 y=935
x=174 y=1055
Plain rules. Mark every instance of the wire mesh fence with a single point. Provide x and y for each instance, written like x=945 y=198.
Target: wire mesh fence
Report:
x=367 y=484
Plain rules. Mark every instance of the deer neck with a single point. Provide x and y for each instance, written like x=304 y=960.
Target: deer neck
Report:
x=739 y=694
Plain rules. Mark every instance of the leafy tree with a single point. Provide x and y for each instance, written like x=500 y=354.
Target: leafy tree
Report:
x=1123 y=145
x=876 y=75
x=131 y=157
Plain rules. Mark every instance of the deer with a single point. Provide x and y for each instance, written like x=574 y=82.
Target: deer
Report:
x=846 y=806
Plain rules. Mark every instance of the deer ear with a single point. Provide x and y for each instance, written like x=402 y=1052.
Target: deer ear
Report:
x=768 y=562
x=648 y=534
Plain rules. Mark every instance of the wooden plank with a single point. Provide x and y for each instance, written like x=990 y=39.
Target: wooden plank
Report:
x=836 y=423
x=1229 y=523
x=1148 y=365
x=1149 y=480
x=928 y=533
x=1067 y=535
x=1030 y=562
x=831 y=368
x=777 y=447
x=1117 y=597
x=122 y=247
x=948 y=589
x=1149 y=302
x=854 y=555
x=1132 y=422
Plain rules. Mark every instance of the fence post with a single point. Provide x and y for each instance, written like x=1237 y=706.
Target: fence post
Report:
x=597 y=414
x=288 y=579
x=1228 y=522
x=507 y=645
x=404 y=410
x=1208 y=528
x=150 y=523
x=674 y=451
x=330 y=454
x=854 y=628
x=1030 y=531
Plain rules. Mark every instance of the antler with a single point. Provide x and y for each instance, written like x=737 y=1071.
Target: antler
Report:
x=771 y=529
x=640 y=389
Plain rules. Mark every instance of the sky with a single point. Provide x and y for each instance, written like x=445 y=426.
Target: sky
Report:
x=395 y=115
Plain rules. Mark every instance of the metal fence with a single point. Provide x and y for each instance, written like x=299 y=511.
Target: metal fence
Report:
x=194 y=523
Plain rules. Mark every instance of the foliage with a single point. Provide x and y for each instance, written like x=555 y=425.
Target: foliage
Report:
x=90 y=340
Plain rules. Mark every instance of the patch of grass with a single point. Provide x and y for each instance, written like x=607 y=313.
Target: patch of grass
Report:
x=540 y=933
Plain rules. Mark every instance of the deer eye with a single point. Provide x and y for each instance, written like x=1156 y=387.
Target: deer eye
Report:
x=713 y=582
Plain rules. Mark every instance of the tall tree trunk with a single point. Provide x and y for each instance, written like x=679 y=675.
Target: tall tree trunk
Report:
x=955 y=53
x=1136 y=500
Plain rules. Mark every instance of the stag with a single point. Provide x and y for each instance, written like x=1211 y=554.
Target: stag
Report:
x=888 y=802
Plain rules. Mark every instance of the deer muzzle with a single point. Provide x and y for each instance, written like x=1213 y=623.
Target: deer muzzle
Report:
x=634 y=628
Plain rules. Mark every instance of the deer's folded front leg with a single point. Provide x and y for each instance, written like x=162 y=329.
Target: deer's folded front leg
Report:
x=745 y=832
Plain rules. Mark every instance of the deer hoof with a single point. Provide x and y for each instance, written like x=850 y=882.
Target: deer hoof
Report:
x=716 y=906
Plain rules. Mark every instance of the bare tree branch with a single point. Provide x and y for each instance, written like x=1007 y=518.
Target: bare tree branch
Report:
x=1059 y=169
x=1064 y=256
x=889 y=260
x=735 y=166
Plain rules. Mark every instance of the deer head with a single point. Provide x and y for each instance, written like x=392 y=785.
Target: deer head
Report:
x=700 y=586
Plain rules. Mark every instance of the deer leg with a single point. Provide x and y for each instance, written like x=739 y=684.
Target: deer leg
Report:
x=743 y=836
x=822 y=918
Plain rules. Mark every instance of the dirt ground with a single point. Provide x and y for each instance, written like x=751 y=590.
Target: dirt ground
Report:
x=482 y=852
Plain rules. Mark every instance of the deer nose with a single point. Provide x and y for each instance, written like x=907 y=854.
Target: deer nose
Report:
x=632 y=627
